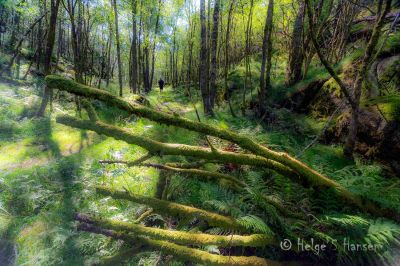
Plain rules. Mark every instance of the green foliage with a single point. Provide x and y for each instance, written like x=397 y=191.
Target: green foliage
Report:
x=254 y=223
x=391 y=45
x=375 y=238
x=389 y=105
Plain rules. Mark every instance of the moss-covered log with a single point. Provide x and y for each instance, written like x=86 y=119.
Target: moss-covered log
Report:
x=57 y=82
x=155 y=147
x=201 y=173
x=181 y=252
x=173 y=209
x=180 y=237
x=308 y=174
x=90 y=110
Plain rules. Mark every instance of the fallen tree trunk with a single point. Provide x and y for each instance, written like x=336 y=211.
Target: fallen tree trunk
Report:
x=174 y=209
x=156 y=147
x=313 y=177
x=278 y=161
x=179 y=237
x=181 y=252
x=202 y=173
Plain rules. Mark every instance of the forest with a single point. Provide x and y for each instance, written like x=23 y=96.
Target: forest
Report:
x=199 y=132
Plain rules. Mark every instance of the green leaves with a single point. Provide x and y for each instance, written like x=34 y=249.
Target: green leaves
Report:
x=254 y=224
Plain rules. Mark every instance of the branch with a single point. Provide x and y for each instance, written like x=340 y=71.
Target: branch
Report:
x=57 y=82
x=202 y=173
x=128 y=163
x=156 y=147
x=180 y=237
x=173 y=209
x=90 y=110
x=181 y=252
x=279 y=161
x=143 y=216
x=195 y=164
x=323 y=60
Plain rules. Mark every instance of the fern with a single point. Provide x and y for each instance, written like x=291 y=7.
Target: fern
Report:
x=342 y=230
x=224 y=207
x=254 y=224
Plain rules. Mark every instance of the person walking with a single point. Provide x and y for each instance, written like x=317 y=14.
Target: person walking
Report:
x=161 y=84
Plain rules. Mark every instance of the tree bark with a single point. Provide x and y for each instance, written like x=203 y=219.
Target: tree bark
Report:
x=114 y=3
x=179 y=237
x=51 y=36
x=294 y=66
x=154 y=43
x=214 y=45
x=181 y=252
x=265 y=75
x=362 y=75
x=203 y=70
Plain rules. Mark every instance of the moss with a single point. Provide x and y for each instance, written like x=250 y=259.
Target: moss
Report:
x=156 y=147
x=203 y=257
x=173 y=209
x=236 y=183
x=180 y=237
x=90 y=110
x=391 y=46
x=332 y=87
x=278 y=161
x=181 y=252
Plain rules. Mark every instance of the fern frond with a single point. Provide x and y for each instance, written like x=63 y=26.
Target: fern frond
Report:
x=254 y=223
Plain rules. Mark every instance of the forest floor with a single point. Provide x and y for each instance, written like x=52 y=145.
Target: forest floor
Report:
x=47 y=171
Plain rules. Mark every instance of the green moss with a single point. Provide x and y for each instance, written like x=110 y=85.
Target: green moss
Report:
x=332 y=87
x=391 y=46
x=171 y=208
x=278 y=161
x=175 y=149
x=181 y=252
x=180 y=237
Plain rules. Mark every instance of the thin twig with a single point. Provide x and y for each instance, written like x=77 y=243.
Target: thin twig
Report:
x=301 y=153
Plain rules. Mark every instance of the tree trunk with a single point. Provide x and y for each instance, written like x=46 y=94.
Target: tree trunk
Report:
x=362 y=76
x=265 y=76
x=203 y=71
x=134 y=64
x=214 y=45
x=226 y=61
x=109 y=42
x=114 y=3
x=294 y=66
x=51 y=35
x=154 y=43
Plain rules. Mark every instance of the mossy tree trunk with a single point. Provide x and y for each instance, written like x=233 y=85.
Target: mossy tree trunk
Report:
x=261 y=155
x=256 y=155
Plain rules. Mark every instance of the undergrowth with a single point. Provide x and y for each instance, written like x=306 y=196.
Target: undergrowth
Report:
x=55 y=168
